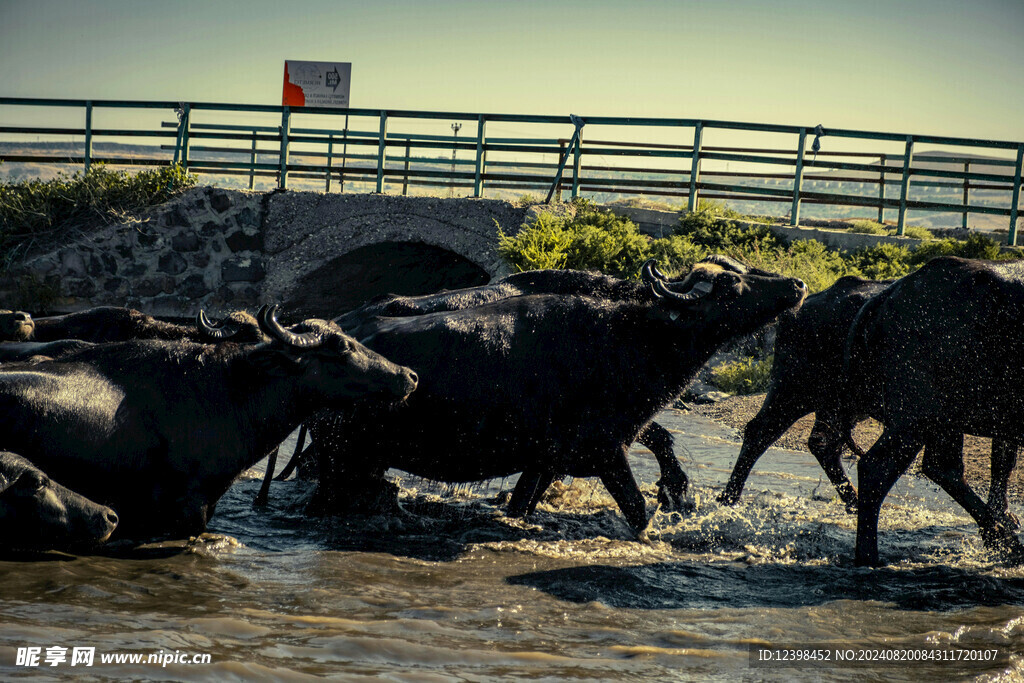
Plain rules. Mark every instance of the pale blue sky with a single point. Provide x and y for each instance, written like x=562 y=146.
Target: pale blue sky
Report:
x=911 y=66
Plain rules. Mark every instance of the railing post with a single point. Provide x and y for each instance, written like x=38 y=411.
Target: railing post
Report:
x=561 y=154
x=185 y=122
x=330 y=153
x=88 y=135
x=1015 y=199
x=908 y=156
x=252 y=163
x=967 y=191
x=286 y=123
x=381 y=152
x=344 y=158
x=798 y=179
x=698 y=133
x=881 y=190
x=405 y=180
x=577 y=153
x=478 y=182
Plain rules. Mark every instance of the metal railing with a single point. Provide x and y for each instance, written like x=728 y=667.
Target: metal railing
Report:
x=373 y=154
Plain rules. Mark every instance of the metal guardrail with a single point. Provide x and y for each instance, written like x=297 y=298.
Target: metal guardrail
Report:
x=382 y=155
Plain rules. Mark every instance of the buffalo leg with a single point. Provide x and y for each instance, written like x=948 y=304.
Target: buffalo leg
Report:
x=826 y=445
x=673 y=483
x=296 y=455
x=532 y=483
x=1004 y=458
x=771 y=422
x=264 y=495
x=618 y=479
x=538 y=493
x=944 y=464
x=877 y=471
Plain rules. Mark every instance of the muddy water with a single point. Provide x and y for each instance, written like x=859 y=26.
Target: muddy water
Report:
x=452 y=590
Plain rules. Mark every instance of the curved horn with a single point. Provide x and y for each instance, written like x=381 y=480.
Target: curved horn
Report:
x=267 y=318
x=649 y=271
x=698 y=290
x=219 y=332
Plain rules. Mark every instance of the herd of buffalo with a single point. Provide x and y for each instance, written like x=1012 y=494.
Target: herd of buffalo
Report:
x=146 y=423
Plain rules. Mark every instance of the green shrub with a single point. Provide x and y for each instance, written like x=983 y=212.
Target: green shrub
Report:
x=865 y=227
x=917 y=232
x=34 y=210
x=745 y=376
x=596 y=240
x=592 y=240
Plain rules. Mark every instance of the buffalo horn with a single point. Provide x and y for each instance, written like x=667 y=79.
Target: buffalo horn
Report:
x=267 y=318
x=649 y=271
x=220 y=332
x=698 y=290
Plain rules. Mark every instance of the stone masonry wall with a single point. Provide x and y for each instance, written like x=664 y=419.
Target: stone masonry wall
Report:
x=221 y=250
x=203 y=249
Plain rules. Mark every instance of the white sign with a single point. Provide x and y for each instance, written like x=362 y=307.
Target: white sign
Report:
x=316 y=84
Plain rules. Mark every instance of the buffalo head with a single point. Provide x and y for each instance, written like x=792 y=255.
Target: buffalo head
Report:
x=16 y=326
x=724 y=295
x=37 y=513
x=334 y=367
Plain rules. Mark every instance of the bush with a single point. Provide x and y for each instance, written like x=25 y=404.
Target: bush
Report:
x=34 y=210
x=596 y=240
x=745 y=376
x=592 y=240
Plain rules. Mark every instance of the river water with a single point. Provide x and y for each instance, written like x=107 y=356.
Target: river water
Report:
x=451 y=590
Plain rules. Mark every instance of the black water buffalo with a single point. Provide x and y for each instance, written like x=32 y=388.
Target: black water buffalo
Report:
x=547 y=384
x=806 y=377
x=935 y=356
x=13 y=352
x=115 y=324
x=37 y=513
x=158 y=429
x=362 y=321
x=16 y=325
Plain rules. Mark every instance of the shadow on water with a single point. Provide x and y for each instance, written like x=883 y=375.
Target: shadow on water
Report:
x=695 y=585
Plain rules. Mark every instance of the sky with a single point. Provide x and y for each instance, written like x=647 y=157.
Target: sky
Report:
x=933 y=67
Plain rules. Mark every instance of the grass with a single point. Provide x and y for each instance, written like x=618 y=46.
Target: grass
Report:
x=38 y=212
x=744 y=376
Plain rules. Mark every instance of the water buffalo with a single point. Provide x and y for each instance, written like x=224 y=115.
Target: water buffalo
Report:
x=13 y=352
x=806 y=378
x=159 y=429
x=16 y=325
x=362 y=321
x=37 y=513
x=115 y=324
x=934 y=356
x=546 y=384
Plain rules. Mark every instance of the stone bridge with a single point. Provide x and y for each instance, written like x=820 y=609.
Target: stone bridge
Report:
x=317 y=254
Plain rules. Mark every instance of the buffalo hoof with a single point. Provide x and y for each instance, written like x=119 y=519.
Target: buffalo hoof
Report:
x=673 y=499
x=1006 y=519
x=1003 y=541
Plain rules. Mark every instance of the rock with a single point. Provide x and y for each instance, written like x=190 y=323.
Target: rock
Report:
x=242 y=241
x=172 y=263
x=220 y=201
x=185 y=241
